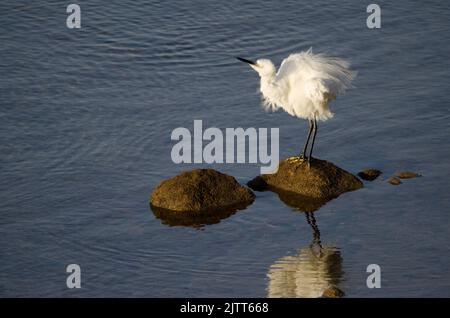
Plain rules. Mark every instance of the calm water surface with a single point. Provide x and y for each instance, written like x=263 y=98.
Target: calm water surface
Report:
x=86 y=117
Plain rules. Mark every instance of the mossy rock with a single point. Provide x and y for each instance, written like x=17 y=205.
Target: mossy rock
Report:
x=199 y=194
x=318 y=179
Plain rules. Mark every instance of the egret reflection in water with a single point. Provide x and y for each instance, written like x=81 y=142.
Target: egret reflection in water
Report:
x=308 y=273
x=314 y=268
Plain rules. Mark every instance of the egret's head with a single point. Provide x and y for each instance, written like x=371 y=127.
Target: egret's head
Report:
x=264 y=67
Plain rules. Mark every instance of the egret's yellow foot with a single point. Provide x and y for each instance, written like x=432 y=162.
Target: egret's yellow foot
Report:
x=296 y=159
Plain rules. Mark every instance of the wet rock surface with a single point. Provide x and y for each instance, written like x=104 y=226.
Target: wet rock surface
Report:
x=200 y=196
x=369 y=174
x=318 y=180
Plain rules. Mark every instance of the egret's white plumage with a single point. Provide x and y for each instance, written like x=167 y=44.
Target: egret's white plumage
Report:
x=304 y=85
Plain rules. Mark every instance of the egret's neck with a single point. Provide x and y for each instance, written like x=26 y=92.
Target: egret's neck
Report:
x=267 y=79
x=268 y=86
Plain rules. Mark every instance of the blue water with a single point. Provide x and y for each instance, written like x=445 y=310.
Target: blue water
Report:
x=86 y=117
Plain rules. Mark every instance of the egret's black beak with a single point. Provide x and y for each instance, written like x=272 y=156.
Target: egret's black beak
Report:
x=246 y=61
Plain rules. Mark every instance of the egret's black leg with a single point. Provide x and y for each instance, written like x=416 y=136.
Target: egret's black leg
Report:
x=307 y=140
x=316 y=232
x=313 y=139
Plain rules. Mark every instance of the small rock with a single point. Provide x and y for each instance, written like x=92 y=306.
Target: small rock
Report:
x=318 y=179
x=406 y=174
x=369 y=174
x=257 y=184
x=394 y=181
x=333 y=292
x=200 y=191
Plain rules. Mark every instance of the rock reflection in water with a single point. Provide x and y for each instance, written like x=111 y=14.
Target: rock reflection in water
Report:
x=193 y=219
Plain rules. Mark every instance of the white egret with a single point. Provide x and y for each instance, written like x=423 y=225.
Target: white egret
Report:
x=303 y=86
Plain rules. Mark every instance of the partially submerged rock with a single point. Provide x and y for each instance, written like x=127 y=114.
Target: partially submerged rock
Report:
x=333 y=292
x=200 y=195
x=394 y=181
x=369 y=174
x=406 y=174
x=319 y=180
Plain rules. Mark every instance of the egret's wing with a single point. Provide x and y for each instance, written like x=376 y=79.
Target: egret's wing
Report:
x=316 y=74
x=289 y=66
x=293 y=63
